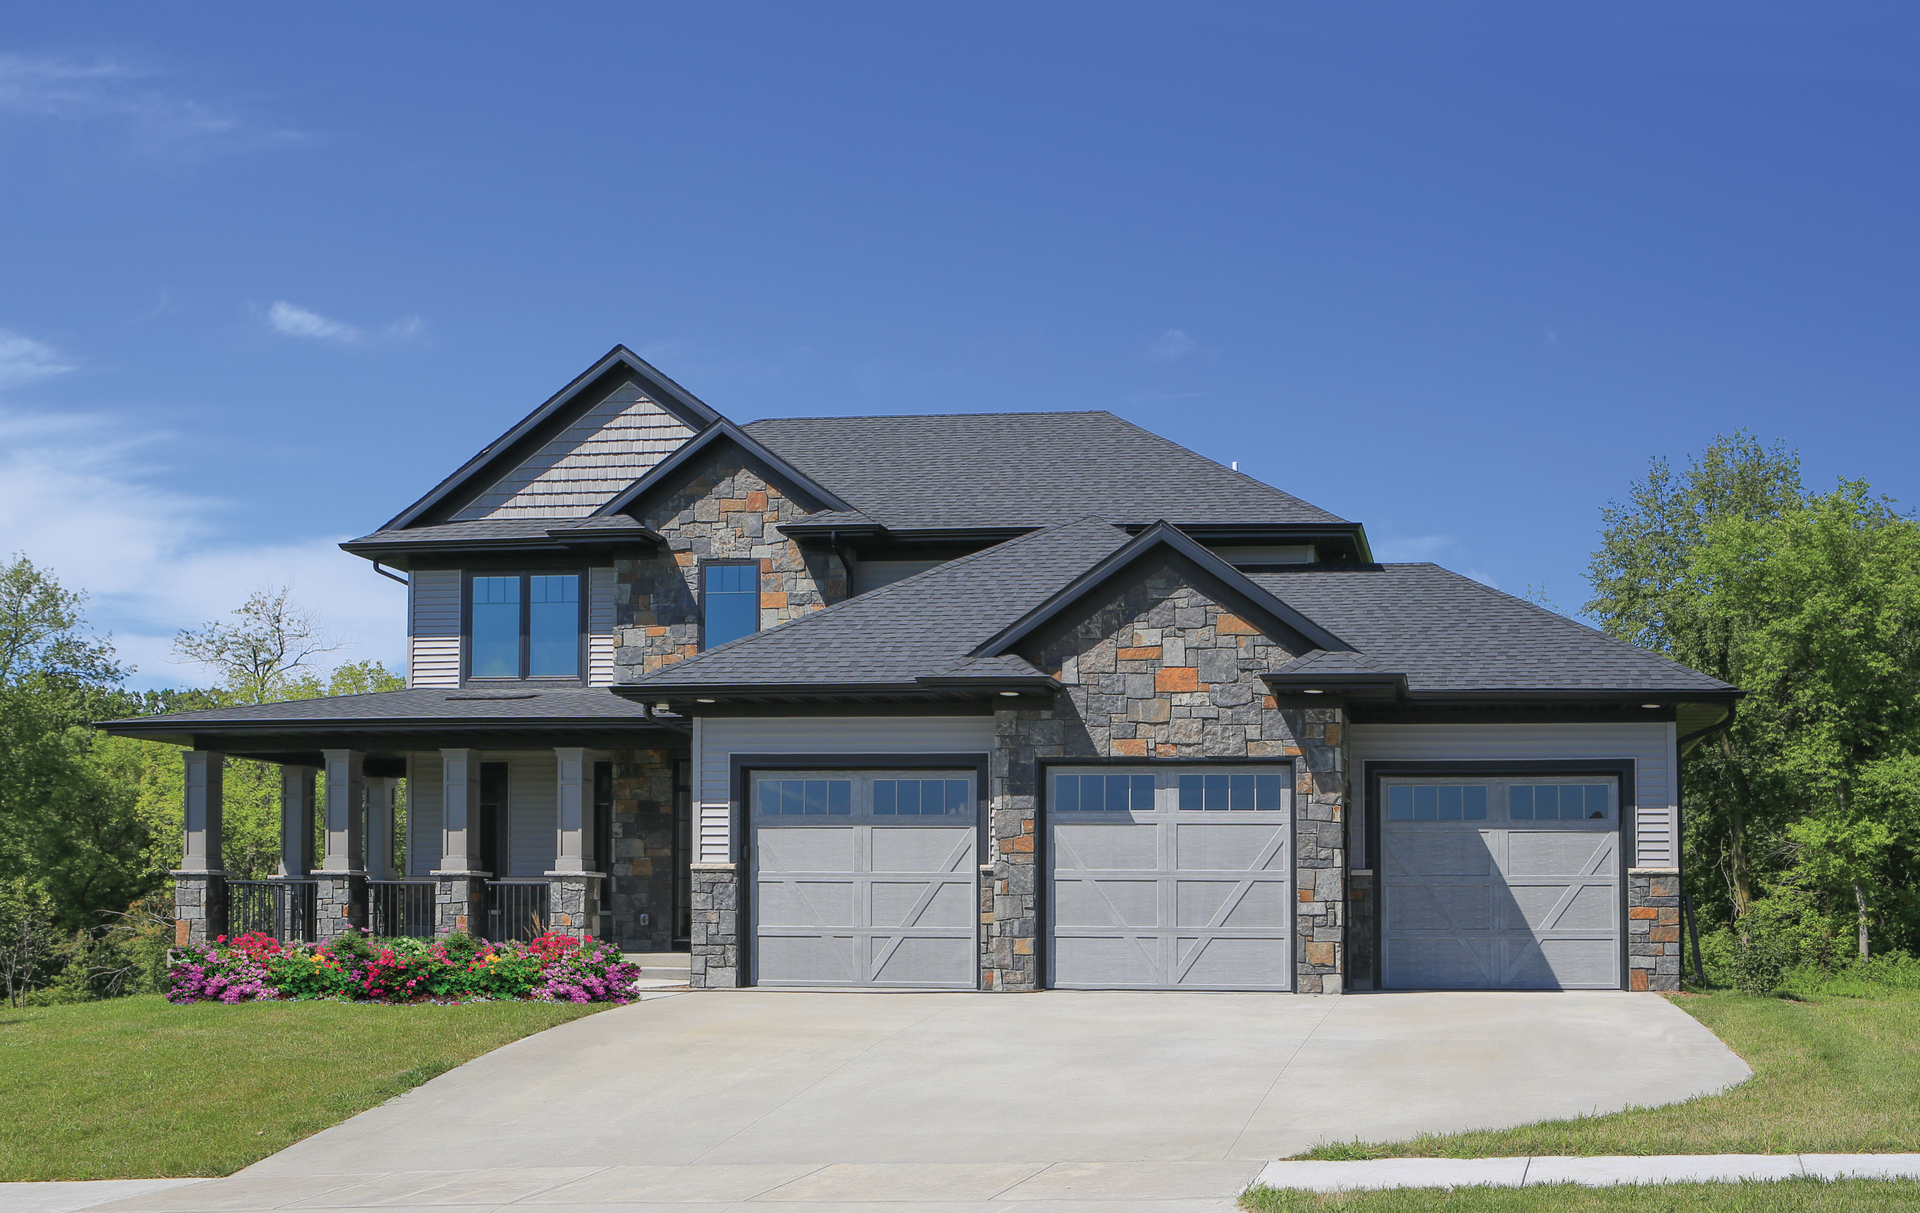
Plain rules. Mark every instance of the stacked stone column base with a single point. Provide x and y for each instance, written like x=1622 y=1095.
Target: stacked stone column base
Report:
x=340 y=903
x=573 y=903
x=457 y=901
x=1653 y=929
x=199 y=907
x=715 y=963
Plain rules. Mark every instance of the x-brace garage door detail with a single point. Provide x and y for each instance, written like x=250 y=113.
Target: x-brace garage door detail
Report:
x=865 y=879
x=1500 y=884
x=1170 y=878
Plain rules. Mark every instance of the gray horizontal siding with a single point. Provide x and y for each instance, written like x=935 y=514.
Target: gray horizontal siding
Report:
x=717 y=740
x=1650 y=746
x=426 y=798
x=601 y=639
x=433 y=628
x=532 y=796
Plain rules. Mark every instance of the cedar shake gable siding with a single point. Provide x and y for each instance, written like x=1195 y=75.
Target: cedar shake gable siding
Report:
x=724 y=511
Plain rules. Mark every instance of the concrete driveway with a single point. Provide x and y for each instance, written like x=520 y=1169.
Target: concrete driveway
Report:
x=1039 y=1102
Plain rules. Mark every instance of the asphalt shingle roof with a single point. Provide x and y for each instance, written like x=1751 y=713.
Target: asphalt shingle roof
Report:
x=439 y=705
x=1010 y=470
x=924 y=625
x=1447 y=632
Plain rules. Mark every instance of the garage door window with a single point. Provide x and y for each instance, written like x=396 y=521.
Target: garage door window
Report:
x=889 y=795
x=1226 y=792
x=1499 y=800
x=1441 y=802
x=1558 y=802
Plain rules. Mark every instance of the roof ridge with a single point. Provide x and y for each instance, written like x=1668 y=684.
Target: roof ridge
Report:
x=932 y=416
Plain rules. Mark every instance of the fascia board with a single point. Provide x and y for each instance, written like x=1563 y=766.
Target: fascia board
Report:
x=1158 y=535
x=657 y=386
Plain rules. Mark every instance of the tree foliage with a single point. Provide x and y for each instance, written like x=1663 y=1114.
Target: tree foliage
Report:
x=1811 y=604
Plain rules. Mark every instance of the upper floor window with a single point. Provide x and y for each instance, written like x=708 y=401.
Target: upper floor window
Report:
x=524 y=625
x=729 y=601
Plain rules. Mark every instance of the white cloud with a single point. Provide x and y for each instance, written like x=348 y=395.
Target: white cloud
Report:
x=296 y=321
x=293 y=320
x=1172 y=344
x=79 y=496
x=153 y=117
x=23 y=360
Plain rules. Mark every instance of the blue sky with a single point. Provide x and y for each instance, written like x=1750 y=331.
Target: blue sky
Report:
x=1456 y=271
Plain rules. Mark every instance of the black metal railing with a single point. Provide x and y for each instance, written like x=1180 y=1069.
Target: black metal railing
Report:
x=284 y=909
x=516 y=909
x=400 y=908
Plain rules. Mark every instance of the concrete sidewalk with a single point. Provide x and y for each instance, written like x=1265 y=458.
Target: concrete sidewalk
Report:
x=1594 y=1172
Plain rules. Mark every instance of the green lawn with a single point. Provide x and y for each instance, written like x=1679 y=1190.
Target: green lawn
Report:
x=1785 y=1196
x=137 y=1087
x=1831 y=1076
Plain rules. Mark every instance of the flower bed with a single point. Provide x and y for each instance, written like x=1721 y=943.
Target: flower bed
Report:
x=452 y=968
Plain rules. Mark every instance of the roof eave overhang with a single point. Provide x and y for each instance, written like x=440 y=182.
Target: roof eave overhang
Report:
x=396 y=552
x=695 y=698
x=1327 y=690
x=1229 y=533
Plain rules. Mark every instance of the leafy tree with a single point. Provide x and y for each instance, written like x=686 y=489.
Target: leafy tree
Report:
x=1647 y=591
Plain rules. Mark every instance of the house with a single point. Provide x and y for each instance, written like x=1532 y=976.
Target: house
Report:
x=986 y=701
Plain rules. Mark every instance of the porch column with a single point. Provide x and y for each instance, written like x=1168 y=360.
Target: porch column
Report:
x=200 y=884
x=461 y=885
x=573 y=887
x=381 y=793
x=296 y=822
x=342 y=879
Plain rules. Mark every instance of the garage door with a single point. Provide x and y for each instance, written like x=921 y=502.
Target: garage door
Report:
x=1495 y=884
x=1168 y=880
x=865 y=879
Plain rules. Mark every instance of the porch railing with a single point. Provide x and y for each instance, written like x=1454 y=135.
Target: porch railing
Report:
x=516 y=909
x=284 y=909
x=400 y=908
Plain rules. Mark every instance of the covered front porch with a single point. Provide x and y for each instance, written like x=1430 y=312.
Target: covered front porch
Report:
x=505 y=843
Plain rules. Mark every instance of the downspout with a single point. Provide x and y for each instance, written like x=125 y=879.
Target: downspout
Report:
x=390 y=576
x=1681 y=746
x=684 y=728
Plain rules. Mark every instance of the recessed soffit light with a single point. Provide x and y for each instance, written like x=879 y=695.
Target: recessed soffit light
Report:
x=1011 y=694
x=703 y=701
x=1312 y=691
x=1649 y=705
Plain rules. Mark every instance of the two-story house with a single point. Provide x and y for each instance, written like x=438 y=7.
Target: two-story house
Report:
x=996 y=701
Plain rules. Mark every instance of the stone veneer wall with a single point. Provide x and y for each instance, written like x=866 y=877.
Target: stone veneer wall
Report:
x=1162 y=671
x=199 y=907
x=715 y=963
x=724 y=512
x=640 y=870
x=1653 y=929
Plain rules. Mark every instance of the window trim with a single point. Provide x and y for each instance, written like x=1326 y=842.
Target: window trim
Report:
x=582 y=640
x=700 y=592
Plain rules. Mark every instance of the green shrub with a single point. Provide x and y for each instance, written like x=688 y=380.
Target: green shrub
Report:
x=1760 y=966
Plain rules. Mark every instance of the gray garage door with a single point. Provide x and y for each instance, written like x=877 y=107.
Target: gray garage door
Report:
x=1498 y=884
x=1168 y=880
x=865 y=879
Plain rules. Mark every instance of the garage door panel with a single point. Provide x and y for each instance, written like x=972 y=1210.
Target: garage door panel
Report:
x=806 y=903
x=1569 y=964
x=799 y=849
x=1440 y=962
x=1106 y=903
x=898 y=849
x=920 y=904
x=1435 y=852
x=1220 y=846
x=1246 y=964
x=1108 y=961
x=1112 y=848
x=1166 y=893
x=921 y=961
x=1569 y=853
x=813 y=959
x=852 y=897
x=1490 y=901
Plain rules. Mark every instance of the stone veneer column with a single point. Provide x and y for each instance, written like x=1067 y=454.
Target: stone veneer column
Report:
x=200 y=884
x=715 y=962
x=573 y=887
x=1320 y=850
x=1653 y=929
x=639 y=880
x=461 y=886
x=341 y=894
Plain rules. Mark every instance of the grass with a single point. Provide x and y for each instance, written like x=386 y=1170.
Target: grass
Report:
x=135 y=1087
x=1832 y=1075
x=1782 y=1196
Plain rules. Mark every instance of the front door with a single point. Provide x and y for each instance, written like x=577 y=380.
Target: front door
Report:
x=865 y=878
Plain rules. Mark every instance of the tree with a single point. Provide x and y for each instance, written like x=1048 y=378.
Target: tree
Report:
x=1821 y=610
x=260 y=657
x=1647 y=591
